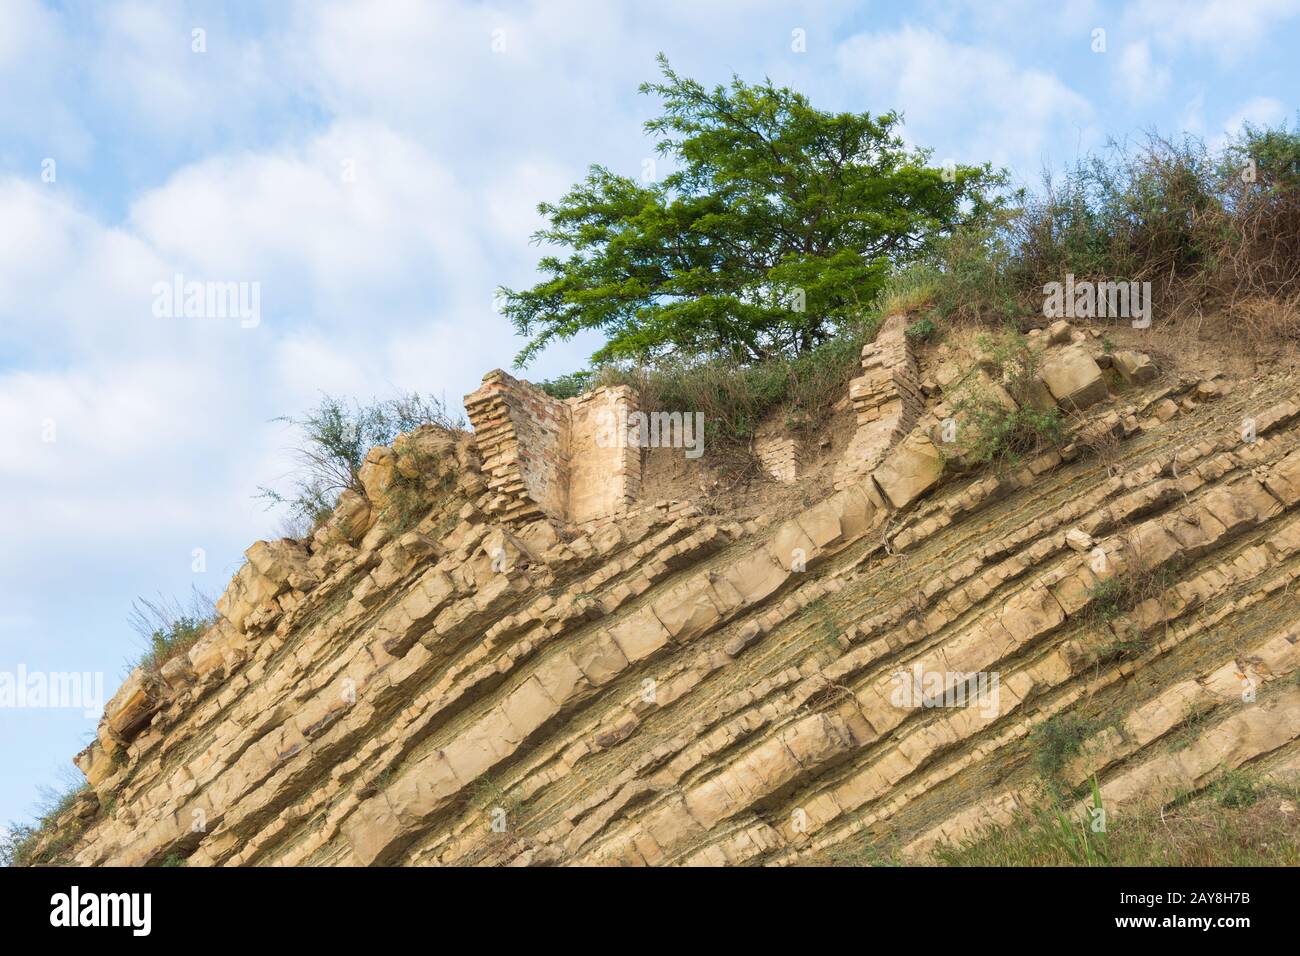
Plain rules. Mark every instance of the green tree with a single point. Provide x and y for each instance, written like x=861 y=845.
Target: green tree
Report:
x=777 y=223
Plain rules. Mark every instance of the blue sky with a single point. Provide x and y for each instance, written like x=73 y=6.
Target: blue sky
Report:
x=375 y=168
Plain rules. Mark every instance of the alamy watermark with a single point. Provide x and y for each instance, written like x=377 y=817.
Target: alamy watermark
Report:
x=130 y=910
x=651 y=430
x=1098 y=300
x=56 y=690
x=208 y=300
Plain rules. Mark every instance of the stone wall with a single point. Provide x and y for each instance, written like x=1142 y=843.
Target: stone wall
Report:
x=544 y=456
x=778 y=453
x=886 y=399
x=604 y=474
x=522 y=437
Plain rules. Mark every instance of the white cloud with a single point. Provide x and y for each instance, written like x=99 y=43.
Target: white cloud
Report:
x=73 y=286
x=340 y=227
x=27 y=30
x=34 y=50
x=145 y=68
x=1258 y=111
x=109 y=455
x=1227 y=29
x=1139 y=78
x=970 y=102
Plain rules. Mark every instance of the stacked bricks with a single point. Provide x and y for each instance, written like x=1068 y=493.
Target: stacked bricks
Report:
x=886 y=399
x=778 y=456
x=522 y=438
x=562 y=459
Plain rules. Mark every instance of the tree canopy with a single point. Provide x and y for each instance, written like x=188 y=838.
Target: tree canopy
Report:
x=777 y=223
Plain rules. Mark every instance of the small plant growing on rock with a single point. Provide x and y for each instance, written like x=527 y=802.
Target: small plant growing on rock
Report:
x=1057 y=741
x=1110 y=598
x=1102 y=444
x=42 y=842
x=169 y=627
x=922 y=330
x=504 y=811
x=1000 y=424
x=1235 y=789
x=16 y=844
x=1113 y=597
x=910 y=290
x=421 y=478
x=334 y=439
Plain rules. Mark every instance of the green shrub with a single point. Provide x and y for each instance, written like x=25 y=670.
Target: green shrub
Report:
x=1004 y=437
x=973 y=266
x=1109 y=598
x=569 y=386
x=411 y=497
x=1187 y=218
x=1235 y=789
x=16 y=844
x=1057 y=741
x=735 y=397
x=335 y=438
x=1135 y=582
x=32 y=844
x=169 y=627
x=908 y=290
x=923 y=330
x=992 y=432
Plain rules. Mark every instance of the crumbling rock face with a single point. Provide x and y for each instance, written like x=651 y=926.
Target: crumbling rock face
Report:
x=497 y=685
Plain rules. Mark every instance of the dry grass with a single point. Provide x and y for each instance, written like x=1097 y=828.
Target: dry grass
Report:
x=1237 y=822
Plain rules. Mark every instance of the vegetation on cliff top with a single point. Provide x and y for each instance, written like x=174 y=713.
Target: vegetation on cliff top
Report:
x=332 y=442
x=778 y=224
x=746 y=278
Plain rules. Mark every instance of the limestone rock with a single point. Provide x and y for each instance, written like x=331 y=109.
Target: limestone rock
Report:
x=909 y=471
x=132 y=705
x=1136 y=368
x=1078 y=540
x=1074 y=378
x=504 y=685
x=377 y=475
x=278 y=560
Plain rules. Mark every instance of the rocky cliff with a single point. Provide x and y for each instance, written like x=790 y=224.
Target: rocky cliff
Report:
x=547 y=668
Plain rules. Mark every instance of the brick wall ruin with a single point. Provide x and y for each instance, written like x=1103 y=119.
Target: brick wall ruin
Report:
x=542 y=455
x=777 y=452
x=604 y=475
x=886 y=399
x=521 y=433
x=564 y=458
